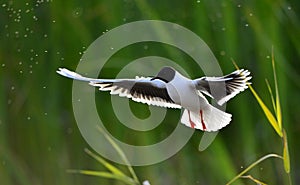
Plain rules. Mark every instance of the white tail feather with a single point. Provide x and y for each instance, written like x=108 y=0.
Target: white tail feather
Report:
x=213 y=119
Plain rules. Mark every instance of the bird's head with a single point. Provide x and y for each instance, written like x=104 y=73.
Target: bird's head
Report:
x=166 y=74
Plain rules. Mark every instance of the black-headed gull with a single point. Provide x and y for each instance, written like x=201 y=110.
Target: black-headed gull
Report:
x=171 y=89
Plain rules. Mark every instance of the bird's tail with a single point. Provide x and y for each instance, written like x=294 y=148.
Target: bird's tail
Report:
x=207 y=119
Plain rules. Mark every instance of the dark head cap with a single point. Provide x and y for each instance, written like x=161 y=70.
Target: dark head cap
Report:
x=166 y=74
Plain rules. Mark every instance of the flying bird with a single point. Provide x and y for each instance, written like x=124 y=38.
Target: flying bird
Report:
x=171 y=89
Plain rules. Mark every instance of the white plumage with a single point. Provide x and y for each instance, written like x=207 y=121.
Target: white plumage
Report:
x=171 y=89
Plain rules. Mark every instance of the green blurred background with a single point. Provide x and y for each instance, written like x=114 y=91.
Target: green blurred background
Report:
x=39 y=138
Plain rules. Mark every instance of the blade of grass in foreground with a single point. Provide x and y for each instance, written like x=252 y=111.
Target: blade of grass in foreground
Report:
x=110 y=167
x=265 y=109
x=253 y=179
x=271 y=94
x=278 y=107
x=121 y=153
x=286 y=156
x=108 y=175
x=267 y=112
x=252 y=166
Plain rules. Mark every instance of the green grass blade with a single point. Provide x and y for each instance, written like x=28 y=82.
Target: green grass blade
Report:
x=271 y=94
x=286 y=156
x=253 y=179
x=108 y=175
x=110 y=167
x=252 y=166
x=121 y=153
x=278 y=107
x=267 y=112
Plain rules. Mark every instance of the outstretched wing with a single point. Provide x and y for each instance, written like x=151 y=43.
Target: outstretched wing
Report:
x=224 y=88
x=141 y=89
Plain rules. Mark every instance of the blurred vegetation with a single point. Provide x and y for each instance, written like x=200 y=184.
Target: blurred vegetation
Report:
x=39 y=138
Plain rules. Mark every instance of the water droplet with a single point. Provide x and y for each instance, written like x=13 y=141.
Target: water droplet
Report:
x=46 y=114
x=46 y=51
x=28 y=118
x=112 y=48
x=12 y=88
x=289 y=8
x=223 y=29
x=267 y=56
x=9 y=101
x=62 y=58
x=198 y=1
x=222 y=53
x=239 y=5
x=250 y=14
x=21 y=71
x=77 y=12
x=44 y=87
x=3 y=5
x=20 y=63
x=3 y=65
x=242 y=167
x=246 y=25
x=45 y=35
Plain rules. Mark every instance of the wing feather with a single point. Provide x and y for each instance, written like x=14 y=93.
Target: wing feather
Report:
x=140 y=89
x=225 y=87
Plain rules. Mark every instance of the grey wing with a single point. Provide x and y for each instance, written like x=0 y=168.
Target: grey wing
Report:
x=224 y=88
x=140 y=89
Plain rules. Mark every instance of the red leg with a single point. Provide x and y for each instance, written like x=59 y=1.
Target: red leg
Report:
x=191 y=122
x=202 y=121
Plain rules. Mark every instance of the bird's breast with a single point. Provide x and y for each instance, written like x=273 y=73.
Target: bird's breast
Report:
x=182 y=91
